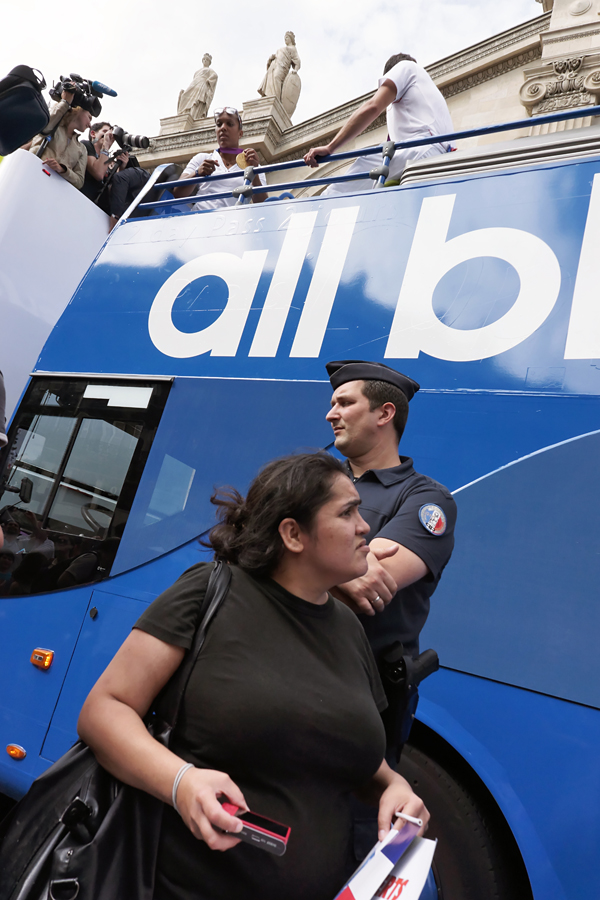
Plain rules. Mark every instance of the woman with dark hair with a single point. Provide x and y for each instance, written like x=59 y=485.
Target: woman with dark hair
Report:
x=228 y=157
x=281 y=714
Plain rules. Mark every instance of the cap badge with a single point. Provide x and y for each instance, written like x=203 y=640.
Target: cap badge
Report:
x=433 y=519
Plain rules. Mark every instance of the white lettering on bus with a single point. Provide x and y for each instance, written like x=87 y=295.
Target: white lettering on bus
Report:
x=325 y=281
x=416 y=327
x=283 y=284
x=583 y=336
x=221 y=337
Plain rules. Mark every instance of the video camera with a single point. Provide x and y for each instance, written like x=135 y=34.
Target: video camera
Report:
x=87 y=93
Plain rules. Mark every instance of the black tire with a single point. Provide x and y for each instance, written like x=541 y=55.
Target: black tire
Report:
x=468 y=862
x=6 y=804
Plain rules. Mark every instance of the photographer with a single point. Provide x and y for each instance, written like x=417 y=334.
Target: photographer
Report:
x=125 y=185
x=98 y=159
x=123 y=178
x=64 y=154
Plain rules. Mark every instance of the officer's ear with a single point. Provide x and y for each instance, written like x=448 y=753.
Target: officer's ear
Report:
x=387 y=411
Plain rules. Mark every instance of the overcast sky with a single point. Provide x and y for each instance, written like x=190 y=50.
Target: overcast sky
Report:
x=148 y=51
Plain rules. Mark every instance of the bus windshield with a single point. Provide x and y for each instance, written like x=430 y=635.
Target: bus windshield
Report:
x=75 y=455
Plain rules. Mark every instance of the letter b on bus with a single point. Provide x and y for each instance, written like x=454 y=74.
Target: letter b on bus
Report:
x=416 y=327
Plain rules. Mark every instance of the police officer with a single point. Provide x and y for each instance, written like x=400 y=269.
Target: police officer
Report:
x=411 y=518
x=410 y=515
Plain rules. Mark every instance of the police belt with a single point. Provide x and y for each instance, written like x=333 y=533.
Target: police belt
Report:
x=401 y=675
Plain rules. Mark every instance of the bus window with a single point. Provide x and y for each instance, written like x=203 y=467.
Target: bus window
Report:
x=93 y=476
x=80 y=446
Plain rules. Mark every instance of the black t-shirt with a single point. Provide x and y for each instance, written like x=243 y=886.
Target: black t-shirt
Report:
x=125 y=187
x=413 y=510
x=91 y=188
x=284 y=698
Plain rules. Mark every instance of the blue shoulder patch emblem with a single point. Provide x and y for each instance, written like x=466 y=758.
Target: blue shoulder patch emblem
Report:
x=433 y=519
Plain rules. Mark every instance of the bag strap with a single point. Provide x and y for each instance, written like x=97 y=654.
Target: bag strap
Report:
x=34 y=76
x=216 y=591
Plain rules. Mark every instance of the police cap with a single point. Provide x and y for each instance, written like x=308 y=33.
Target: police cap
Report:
x=342 y=370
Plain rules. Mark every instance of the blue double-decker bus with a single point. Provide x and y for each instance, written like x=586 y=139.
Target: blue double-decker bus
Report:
x=193 y=351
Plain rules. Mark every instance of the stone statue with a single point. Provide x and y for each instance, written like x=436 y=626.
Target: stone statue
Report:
x=197 y=97
x=281 y=78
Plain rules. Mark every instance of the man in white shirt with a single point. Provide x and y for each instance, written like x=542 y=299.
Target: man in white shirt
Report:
x=415 y=108
x=228 y=127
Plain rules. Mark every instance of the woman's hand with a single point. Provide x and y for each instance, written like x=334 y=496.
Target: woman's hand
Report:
x=253 y=160
x=206 y=168
x=251 y=157
x=55 y=165
x=197 y=799
x=399 y=796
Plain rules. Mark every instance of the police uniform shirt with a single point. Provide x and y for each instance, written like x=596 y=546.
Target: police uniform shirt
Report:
x=417 y=512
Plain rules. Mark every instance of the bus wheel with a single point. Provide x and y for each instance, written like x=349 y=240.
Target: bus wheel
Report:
x=468 y=862
x=6 y=804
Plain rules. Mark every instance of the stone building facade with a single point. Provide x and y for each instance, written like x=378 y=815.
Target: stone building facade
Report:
x=548 y=63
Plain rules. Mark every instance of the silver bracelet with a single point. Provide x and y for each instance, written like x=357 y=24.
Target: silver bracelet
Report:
x=178 y=778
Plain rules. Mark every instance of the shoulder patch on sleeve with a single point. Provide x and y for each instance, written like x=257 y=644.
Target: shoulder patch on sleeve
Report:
x=433 y=519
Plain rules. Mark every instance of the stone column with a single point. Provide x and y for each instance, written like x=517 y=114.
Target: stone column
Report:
x=568 y=74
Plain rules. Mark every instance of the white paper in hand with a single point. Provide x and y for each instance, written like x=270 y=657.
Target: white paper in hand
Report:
x=408 y=877
x=378 y=864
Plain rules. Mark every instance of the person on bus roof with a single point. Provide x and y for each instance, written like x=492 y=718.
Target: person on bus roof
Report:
x=228 y=127
x=64 y=154
x=415 y=108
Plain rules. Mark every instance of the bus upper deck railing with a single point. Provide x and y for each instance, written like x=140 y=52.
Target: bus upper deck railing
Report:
x=244 y=193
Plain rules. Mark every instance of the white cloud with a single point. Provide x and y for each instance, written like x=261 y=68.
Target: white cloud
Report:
x=149 y=51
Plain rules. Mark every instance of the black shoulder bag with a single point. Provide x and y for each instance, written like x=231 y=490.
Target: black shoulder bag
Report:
x=81 y=833
x=23 y=110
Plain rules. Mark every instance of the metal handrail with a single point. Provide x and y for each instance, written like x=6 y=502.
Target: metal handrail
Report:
x=353 y=154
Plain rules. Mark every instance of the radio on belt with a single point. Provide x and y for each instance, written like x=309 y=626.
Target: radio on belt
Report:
x=260 y=831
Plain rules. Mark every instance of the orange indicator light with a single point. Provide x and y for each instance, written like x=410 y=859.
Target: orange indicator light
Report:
x=42 y=658
x=16 y=751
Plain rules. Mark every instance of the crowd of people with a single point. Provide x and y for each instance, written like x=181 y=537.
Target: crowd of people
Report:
x=414 y=108
x=107 y=177
x=112 y=180
x=282 y=714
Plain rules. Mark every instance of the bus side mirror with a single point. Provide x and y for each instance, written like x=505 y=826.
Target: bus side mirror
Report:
x=26 y=490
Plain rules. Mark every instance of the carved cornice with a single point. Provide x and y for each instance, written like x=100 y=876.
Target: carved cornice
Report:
x=562 y=83
x=507 y=65
x=467 y=58
x=571 y=37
